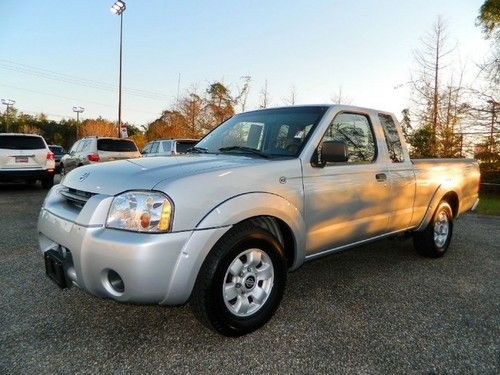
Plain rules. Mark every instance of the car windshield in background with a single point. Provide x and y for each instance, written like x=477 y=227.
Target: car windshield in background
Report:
x=272 y=132
x=116 y=145
x=183 y=146
x=21 y=142
x=58 y=150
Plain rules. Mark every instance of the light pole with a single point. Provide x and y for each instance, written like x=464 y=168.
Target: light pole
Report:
x=118 y=8
x=78 y=110
x=8 y=103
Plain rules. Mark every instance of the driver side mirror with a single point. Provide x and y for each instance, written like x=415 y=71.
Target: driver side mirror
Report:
x=330 y=152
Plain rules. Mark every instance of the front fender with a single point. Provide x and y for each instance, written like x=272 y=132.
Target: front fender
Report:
x=248 y=205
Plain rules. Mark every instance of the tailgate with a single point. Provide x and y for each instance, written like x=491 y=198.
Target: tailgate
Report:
x=23 y=159
x=117 y=155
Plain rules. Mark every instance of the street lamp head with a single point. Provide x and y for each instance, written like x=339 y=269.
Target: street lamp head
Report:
x=118 y=7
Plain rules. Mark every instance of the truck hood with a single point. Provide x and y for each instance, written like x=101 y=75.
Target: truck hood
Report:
x=145 y=173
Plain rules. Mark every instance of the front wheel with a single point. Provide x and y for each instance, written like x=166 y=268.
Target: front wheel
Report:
x=435 y=239
x=241 y=283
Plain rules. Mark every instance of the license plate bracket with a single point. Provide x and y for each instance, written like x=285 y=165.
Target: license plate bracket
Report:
x=21 y=159
x=54 y=268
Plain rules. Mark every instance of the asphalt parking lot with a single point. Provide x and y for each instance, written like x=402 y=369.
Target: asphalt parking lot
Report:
x=377 y=309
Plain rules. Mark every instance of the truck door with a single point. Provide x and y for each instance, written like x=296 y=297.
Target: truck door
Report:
x=347 y=202
x=401 y=176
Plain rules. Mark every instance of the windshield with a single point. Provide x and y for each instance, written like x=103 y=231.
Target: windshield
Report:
x=272 y=132
x=58 y=150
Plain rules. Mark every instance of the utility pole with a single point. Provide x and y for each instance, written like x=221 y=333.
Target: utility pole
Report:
x=8 y=103
x=118 y=8
x=492 y=130
x=78 y=110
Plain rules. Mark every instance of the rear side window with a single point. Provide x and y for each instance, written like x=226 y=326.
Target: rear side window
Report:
x=117 y=145
x=392 y=138
x=183 y=146
x=356 y=132
x=167 y=146
x=21 y=142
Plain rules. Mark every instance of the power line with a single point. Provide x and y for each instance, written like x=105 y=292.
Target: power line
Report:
x=74 y=99
x=66 y=78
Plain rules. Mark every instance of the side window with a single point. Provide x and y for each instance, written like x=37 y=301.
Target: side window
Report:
x=356 y=132
x=392 y=138
x=81 y=144
x=84 y=145
x=74 y=147
x=147 y=148
x=154 y=148
x=167 y=146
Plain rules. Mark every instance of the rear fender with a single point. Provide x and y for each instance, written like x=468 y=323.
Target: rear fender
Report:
x=440 y=192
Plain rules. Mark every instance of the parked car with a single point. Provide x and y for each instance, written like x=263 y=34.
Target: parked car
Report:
x=26 y=157
x=168 y=147
x=58 y=154
x=260 y=195
x=91 y=150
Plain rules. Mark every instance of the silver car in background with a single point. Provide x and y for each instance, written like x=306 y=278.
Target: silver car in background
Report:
x=168 y=147
x=91 y=150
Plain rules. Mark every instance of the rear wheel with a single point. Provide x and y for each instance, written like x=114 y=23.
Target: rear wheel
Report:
x=48 y=182
x=435 y=239
x=241 y=283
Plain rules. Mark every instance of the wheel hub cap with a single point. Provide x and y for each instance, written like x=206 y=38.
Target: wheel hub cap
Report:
x=248 y=282
x=441 y=229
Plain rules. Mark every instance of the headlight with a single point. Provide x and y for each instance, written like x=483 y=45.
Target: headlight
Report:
x=141 y=211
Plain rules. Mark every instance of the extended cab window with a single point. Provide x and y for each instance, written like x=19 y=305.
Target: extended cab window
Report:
x=392 y=138
x=356 y=132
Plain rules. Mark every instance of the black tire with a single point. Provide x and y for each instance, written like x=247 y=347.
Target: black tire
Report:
x=48 y=182
x=207 y=300
x=30 y=182
x=62 y=171
x=425 y=242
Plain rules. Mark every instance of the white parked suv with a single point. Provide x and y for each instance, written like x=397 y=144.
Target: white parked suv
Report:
x=91 y=150
x=26 y=157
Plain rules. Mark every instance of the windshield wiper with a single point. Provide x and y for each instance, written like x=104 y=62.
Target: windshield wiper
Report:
x=199 y=150
x=245 y=149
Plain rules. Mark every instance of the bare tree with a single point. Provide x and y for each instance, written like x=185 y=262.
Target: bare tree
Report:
x=340 y=98
x=242 y=96
x=264 y=96
x=426 y=90
x=292 y=97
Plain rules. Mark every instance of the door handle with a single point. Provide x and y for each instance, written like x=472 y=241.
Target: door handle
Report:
x=381 y=177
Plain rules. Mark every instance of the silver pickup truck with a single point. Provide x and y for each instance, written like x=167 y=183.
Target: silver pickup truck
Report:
x=257 y=197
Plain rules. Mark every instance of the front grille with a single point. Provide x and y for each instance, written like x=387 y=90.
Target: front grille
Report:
x=75 y=197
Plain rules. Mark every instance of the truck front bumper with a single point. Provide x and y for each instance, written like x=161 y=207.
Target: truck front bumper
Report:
x=127 y=266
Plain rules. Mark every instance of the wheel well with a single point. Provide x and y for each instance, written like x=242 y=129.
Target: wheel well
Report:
x=279 y=229
x=452 y=198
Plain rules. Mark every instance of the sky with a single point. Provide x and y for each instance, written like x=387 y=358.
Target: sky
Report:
x=55 y=54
